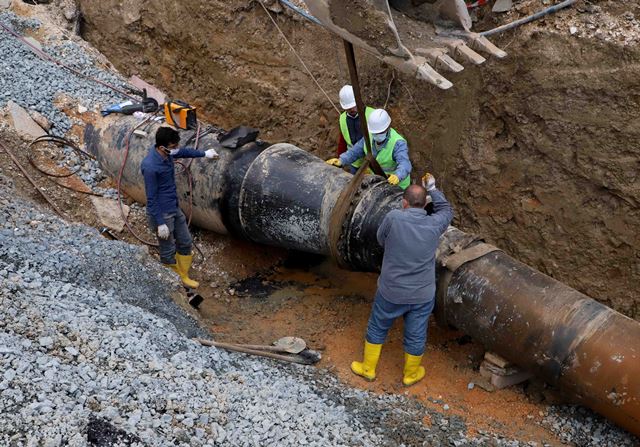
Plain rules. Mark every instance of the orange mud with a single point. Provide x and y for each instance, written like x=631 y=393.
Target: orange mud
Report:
x=329 y=308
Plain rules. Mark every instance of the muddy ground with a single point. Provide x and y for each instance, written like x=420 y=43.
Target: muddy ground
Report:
x=538 y=152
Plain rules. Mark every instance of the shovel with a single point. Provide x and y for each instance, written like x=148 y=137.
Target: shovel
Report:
x=290 y=345
x=296 y=352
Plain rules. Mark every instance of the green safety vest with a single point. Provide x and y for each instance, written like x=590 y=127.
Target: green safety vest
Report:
x=385 y=156
x=344 y=129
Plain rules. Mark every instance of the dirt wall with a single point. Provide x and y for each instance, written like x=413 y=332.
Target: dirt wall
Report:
x=538 y=152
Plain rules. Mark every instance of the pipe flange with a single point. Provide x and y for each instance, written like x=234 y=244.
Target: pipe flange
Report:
x=343 y=241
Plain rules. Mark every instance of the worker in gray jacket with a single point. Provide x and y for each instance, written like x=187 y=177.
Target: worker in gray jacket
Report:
x=407 y=282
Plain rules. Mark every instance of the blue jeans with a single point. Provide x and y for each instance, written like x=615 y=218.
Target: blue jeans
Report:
x=416 y=319
x=179 y=236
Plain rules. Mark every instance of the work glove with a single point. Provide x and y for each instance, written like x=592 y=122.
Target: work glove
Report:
x=393 y=179
x=334 y=162
x=163 y=232
x=211 y=153
x=429 y=182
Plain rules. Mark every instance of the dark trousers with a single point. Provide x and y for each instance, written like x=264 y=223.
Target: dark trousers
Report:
x=416 y=319
x=179 y=236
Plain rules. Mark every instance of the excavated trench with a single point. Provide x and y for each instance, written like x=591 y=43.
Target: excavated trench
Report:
x=277 y=291
x=537 y=152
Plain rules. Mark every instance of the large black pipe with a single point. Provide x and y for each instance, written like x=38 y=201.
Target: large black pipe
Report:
x=283 y=196
x=270 y=194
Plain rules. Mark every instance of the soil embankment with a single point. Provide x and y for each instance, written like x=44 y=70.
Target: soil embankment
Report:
x=538 y=151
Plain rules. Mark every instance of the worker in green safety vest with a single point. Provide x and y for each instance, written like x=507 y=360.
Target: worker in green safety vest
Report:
x=350 y=131
x=389 y=149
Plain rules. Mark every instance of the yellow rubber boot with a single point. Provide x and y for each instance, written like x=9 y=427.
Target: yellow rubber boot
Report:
x=413 y=371
x=173 y=267
x=367 y=368
x=184 y=264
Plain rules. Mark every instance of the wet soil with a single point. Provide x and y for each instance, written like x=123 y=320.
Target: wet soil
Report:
x=329 y=308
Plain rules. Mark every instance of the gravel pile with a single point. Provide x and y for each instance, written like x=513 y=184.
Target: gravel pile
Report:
x=584 y=428
x=34 y=83
x=78 y=342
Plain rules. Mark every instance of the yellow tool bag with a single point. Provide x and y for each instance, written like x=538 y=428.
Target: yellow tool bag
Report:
x=180 y=114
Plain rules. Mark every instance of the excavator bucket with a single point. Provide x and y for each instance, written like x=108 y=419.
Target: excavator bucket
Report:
x=419 y=37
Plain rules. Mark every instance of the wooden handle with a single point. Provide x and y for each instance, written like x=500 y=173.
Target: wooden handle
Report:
x=231 y=347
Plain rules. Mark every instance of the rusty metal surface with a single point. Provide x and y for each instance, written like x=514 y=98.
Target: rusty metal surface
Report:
x=551 y=330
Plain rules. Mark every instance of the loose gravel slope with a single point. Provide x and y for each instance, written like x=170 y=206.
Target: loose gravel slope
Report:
x=76 y=344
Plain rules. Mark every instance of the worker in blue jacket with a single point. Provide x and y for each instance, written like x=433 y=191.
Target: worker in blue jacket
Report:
x=407 y=282
x=165 y=217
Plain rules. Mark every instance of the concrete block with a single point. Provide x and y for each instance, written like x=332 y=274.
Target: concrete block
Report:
x=23 y=123
x=504 y=381
x=152 y=92
x=496 y=360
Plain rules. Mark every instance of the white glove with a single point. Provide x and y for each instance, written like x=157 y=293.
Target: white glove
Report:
x=428 y=182
x=163 y=232
x=174 y=151
x=211 y=153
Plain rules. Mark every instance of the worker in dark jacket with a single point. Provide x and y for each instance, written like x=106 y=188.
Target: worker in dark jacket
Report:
x=165 y=216
x=407 y=282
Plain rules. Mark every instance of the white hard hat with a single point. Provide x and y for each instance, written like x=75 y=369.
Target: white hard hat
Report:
x=347 y=98
x=378 y=121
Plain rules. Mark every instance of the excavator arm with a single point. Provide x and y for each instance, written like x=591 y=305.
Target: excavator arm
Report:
x=419 y=37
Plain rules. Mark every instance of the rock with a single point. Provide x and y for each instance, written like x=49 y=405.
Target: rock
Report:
x=131 y=11
x=70 y=13
x=23 y=123
x=40 y=120
x=5 y=4
x=72 y=351
x=108 y=212
x=46 y=342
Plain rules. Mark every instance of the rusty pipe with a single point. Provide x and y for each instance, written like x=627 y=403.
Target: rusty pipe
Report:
x=547 y=328
x=281 y=195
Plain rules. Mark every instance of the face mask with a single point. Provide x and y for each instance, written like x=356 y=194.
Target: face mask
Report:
x=166 y=151
x=379 y=137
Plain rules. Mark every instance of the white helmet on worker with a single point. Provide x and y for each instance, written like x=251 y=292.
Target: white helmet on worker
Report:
x=378 y=121
x=347 y=98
